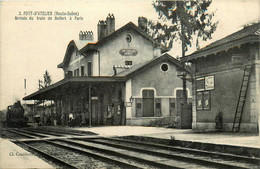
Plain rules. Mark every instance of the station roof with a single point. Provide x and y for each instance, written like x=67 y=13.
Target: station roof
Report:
x=58 y=89
x=249 y=34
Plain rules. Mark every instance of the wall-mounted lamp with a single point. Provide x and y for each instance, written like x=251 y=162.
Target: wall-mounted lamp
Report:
x=131 y=99
x=129 y=104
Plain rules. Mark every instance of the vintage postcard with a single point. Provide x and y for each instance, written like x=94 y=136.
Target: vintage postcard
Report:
x=129 y=84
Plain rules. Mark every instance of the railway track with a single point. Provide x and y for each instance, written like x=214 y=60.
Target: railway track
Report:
x=78 y=157
x=223 y=156
x=167 y=157
x=144 y=157
x=18 y=133
x=39 y=133
x=50 y=133
x=9 y=134
x=29 y=133
x=58 y=162
x=100 y=152
x=60 y=131
x=59 y=157
x=15 y=138
x=56 y=133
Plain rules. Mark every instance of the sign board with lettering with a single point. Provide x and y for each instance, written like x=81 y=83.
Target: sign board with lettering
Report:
x=94 y=98
x=128 y=104
x=205 y=83
x=128 y=52
x=209 y=83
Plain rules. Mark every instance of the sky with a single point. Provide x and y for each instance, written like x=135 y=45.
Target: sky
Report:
x=30 y=47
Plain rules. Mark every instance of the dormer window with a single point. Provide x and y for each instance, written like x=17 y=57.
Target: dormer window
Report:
x=77 y=55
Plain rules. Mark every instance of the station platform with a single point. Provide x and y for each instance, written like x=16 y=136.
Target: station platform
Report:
x=223 y=138
x=13 y=157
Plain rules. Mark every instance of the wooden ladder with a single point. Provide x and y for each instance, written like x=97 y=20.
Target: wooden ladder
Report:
x=242 y=98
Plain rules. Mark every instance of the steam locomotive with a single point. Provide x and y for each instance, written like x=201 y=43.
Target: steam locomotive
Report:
x=15 y=116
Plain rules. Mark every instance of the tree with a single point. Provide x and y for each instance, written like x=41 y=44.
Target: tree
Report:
x=46 y=80
x=182 y=20
x=44 y=83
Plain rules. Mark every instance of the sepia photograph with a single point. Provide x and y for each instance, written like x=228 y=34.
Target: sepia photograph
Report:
x=129 y=84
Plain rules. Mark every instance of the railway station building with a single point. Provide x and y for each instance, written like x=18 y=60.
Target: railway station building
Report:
x=124 y=78
x=226 y=84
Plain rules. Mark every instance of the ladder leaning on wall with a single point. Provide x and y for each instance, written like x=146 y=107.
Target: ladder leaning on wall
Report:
x=242 y=98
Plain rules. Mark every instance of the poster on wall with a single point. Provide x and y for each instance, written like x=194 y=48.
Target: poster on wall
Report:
x=209 y=83
x=199 y=101
x=203 y=100
x=206 y=100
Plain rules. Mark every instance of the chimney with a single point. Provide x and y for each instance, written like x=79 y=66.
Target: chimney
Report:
x=84 y=36
x=101 y=29
x=110 y=27
x=142 y=23
x=80 y=35
x=88 y=35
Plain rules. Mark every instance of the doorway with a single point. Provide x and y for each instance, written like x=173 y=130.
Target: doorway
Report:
x=148 y=103
x=94 y=112
x=184 y=112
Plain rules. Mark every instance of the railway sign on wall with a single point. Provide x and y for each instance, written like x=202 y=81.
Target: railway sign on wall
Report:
x=209 y=83
x=128 y=52
x=205 y=83
x=94 y=98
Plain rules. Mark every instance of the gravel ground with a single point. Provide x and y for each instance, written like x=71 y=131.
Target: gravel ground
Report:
x=154 y=157
x=77 y=159
x=113 y=157
x=39 y=155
